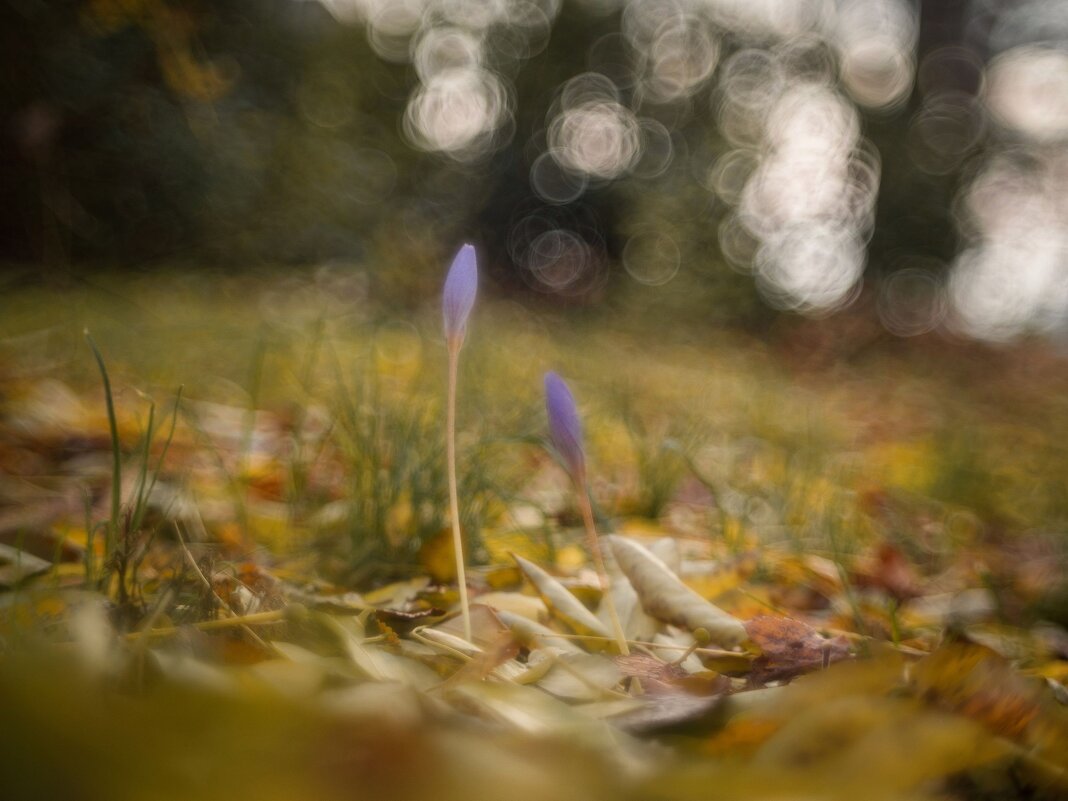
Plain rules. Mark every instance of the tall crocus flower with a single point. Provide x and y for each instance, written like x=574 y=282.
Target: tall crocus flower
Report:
x=565 y=427
x=458 y=298
x=565 y=430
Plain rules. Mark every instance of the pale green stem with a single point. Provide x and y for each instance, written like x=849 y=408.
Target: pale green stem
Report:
x=454 y=502
x=598 y=563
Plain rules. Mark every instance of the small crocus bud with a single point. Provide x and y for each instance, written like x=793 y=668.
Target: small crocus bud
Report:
x=458 y=298
x=565 y=428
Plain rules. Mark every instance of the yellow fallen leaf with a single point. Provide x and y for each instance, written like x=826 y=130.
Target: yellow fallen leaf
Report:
x=438 y=557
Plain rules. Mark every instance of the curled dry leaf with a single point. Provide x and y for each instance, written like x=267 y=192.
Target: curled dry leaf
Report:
x=562 y=604
x=448 y=642
x=534 y=635
x=790 y=648
x=637 y=625
x=526 y=605
x=665 y=597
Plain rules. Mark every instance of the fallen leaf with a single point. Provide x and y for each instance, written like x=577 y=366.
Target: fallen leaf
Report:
x=534 y=635
x=487 y=660
x=486 y=625
x=884 y=744
x=581 y=677
x=888 y=570
x=978 y=683
x=16 y=565
x=637 y=625
x=516 y=602
x=789 y=648
x=666 y=598
x=562 y=604
x=649 y=668
x=438 y=556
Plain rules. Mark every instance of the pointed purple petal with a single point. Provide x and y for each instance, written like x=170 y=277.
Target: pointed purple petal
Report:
x=565 y=427
x=461 y=286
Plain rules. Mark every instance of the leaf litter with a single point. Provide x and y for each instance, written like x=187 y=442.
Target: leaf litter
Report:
x=754 y=670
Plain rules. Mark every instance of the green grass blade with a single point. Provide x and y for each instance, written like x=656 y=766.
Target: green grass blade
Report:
x=142 y=476
x=116 y=455
x=159 y=463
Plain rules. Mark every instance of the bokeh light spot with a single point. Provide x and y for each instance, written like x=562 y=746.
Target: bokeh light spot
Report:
x=1027 y=92
x=652 y=258
x=553 y=183
x=912 y=301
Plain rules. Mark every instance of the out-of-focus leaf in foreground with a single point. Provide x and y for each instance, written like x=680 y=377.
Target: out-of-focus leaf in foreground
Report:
x=980 y=684
x=67 y=737
x=852 y=731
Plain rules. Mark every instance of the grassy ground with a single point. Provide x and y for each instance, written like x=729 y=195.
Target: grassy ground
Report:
x=910 y=498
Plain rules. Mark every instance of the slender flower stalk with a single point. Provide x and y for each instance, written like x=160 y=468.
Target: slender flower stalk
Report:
x=565 y=429
x=458 y=298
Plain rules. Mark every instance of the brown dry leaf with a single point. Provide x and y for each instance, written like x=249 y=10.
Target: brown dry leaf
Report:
x=665 y=597
x=889 y=570
x=672 y=697
x=562 y=604
x=486 y=625
x=502 y=649
x=790 y=648
x=977 y=682
x=649 y=668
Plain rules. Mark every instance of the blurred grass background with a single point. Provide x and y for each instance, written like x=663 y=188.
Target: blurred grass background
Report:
x=907 y=434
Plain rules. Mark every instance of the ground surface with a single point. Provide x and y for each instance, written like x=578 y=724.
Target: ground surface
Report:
x=267 y=609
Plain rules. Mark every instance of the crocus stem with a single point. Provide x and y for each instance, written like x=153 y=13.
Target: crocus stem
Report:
x=454 y=502
x=598 y=563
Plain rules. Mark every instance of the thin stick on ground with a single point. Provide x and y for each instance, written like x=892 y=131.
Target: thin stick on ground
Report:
x=454 y=502
x=255 y=619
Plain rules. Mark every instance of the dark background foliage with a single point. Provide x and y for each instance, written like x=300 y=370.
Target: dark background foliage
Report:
x=257 y=132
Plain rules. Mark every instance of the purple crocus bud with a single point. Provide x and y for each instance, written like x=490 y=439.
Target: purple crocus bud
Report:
x=458 y=298
x=565 y=428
